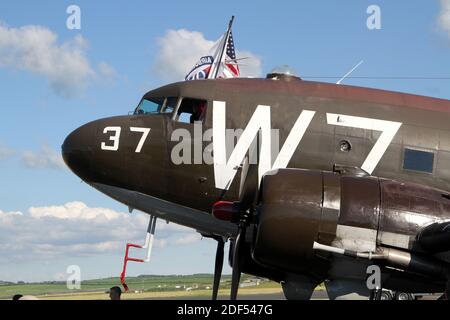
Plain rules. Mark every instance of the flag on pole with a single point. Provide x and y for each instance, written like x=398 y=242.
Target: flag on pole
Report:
x=222 y=64
x=231 y=68
x=201 y=69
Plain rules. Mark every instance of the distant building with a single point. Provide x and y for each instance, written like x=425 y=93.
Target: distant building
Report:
x=251 y=282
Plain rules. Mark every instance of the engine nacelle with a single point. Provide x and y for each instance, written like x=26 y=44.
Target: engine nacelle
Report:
x=299 y=207
x=290 y=217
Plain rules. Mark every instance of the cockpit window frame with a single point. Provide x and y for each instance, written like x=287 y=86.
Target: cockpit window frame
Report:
x=161 y=109
x=180 y=100
x=151 y=100
x=174 y=110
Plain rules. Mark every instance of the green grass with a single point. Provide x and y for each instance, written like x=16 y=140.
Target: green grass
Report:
x=141 y=283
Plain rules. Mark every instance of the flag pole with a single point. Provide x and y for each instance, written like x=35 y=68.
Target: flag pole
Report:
x=225 y=43
x=231 y=23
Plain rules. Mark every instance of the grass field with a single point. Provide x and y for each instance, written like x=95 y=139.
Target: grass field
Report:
x=142 y=287
x=271 y=288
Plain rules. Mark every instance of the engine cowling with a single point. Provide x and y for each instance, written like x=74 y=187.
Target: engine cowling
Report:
x=299 y=207
x=290 y=218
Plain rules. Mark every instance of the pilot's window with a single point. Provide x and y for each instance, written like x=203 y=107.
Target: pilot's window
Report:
x=149 y=106
x=417 y=160
x=170 y=105
x=191 y=110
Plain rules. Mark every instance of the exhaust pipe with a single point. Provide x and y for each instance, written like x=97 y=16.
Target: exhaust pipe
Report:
x=407 y=261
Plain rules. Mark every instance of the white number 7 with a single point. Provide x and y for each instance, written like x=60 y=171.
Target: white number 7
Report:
x=388 y=128
x=145 y=132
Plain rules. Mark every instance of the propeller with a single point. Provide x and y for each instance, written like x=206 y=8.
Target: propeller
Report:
x=236 y=271
x=249 y=184
x=218 y=266
x=247 y=194
x=240 y=213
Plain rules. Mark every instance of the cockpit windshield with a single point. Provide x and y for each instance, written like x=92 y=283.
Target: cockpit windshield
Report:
x=151 y=106
x=157 y=105
x=181 y=109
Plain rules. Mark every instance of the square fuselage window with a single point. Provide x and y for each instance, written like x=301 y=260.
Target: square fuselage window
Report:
x=417 y=160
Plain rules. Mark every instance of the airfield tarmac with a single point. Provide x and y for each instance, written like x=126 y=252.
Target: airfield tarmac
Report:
x=318 y=295
x=245 y=294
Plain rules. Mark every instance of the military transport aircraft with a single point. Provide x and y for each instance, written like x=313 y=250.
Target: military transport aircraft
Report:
x=359 y=177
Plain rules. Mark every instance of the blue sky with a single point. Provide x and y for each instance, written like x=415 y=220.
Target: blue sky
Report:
x=127 y=48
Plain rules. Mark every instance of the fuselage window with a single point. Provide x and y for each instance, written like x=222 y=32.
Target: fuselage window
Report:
x=170 y=105
x=149 y=106
x=191 y=110
x=416 y=160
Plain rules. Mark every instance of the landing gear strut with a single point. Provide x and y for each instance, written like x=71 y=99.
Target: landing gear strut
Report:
x=376 y=294
x=446 y=295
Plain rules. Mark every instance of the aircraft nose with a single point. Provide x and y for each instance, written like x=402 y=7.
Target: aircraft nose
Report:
x=77 y=150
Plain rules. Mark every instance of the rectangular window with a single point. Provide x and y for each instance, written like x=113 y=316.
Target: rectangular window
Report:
x=146 y=106
x=191 y=110
x=170 y=105
x=417 y=160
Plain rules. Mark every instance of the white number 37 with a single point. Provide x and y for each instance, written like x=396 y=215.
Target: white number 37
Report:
x=115 y=138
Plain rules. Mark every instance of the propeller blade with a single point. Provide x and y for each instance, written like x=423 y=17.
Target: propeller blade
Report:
x=247 y=195
x=248 y=182
x=244 y=173
x=236 y=274
x=218 y=267
x=249 y=186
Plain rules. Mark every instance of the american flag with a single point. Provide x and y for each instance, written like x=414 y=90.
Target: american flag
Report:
x=232 y=68
x=221 y=64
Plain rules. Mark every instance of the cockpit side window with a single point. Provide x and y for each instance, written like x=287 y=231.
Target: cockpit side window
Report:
x=170 y=105
x=150 y=106
x=191 y=110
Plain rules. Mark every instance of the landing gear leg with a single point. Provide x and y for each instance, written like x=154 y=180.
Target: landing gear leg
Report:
x=446 y=295
x=376 y=294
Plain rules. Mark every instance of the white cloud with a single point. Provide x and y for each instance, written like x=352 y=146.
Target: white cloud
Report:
x=444 y=16
x=10 y=214
x=251 y=67
x=74 y=210
x=76 y=230
x=45 y=158
x=106 y=71
x=36 y=49
x=188 y=239
x=179 y=50
x=5 y=152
